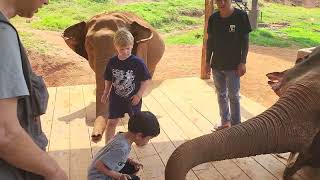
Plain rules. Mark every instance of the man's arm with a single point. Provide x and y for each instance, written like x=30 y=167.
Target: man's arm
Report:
x=244 y=48
x=244 y=52
x=245 y=30
x=18 y=149
x=210 y=40
x=209 y=48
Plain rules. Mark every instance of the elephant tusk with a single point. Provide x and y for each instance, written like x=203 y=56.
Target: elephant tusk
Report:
x=143 y=40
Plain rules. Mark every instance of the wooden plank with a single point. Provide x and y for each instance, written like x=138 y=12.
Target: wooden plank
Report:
x=253 y=169
x=274 y=166
x=205 y=103
x=189 y=101
x=80 y=150
x=205 y=127
x=188 y=128
x=167 y=125
x=203 y=124
x=257 y=110
x=200 y=103
x=46 y=119
x=59 y=147
x=305 y=173
x=186 y=125
x=193 y=96
x=174 y=134
x=197 y=93
x=230 y=170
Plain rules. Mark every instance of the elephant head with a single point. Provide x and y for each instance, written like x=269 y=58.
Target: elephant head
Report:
x=93 y=40
x=292 y=124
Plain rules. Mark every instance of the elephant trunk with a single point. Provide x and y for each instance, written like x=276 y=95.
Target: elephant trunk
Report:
x=278 y=129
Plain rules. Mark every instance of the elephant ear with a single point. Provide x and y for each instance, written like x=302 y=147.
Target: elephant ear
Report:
x=74 y=36
x=140 y=32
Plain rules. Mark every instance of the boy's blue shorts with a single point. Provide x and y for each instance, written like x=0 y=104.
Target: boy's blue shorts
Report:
x=119 y=106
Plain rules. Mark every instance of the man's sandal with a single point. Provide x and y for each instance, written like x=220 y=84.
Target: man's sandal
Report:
x=218 y=128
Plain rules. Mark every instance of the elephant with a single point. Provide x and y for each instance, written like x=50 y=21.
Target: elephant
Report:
x=292 y=124
x=93 y=40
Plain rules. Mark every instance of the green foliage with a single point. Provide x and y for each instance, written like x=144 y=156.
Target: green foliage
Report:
x=191 y=37
x=277 y=13
x=265 y=37
x=60 y=14
x=165 y=15
x=303 y=28
x=304 y=34
x=31 y=42
x=302 y=25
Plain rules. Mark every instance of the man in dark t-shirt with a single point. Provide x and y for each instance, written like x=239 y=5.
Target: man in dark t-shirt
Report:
x=227 y=49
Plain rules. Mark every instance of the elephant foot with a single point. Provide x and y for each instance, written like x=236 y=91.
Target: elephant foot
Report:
x=295 y=162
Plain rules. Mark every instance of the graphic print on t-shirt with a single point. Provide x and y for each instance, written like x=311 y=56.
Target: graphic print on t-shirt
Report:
x=124 y=82
x=232 y=28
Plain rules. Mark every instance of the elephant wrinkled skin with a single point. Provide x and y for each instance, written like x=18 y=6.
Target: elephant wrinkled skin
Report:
x=292 y=124
x=93 y=40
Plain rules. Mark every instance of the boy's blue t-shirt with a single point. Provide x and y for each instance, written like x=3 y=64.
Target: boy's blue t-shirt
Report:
x=114 y=155
x=126 y=76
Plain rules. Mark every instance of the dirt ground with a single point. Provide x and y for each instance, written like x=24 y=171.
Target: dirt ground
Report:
x=64 y=67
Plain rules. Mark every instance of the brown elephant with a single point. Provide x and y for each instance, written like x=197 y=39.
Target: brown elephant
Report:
x=93 y=40
x=292 y=124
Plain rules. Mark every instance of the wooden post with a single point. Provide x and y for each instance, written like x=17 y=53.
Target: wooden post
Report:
x=208 y=12
x=253 y=14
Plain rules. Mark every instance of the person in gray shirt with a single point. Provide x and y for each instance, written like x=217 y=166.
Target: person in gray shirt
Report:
x=20 y=157
x=112 y=161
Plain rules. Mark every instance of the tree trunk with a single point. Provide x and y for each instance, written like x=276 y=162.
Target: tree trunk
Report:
x=208 y=11
x=253 y=14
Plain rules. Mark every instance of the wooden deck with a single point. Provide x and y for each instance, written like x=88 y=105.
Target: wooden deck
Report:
x=186 y=108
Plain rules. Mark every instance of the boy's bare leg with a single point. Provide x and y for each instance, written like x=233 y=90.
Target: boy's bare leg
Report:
x=111 y=128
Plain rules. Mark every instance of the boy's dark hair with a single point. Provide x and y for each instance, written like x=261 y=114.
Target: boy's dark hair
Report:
x=144 y=122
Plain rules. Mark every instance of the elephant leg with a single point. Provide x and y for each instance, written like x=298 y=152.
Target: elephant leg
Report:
x=315 y=151
x=302 y=160
x=311 y=157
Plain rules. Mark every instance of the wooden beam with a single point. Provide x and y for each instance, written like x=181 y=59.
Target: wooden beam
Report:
x=253 y=14
x=208 y=12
